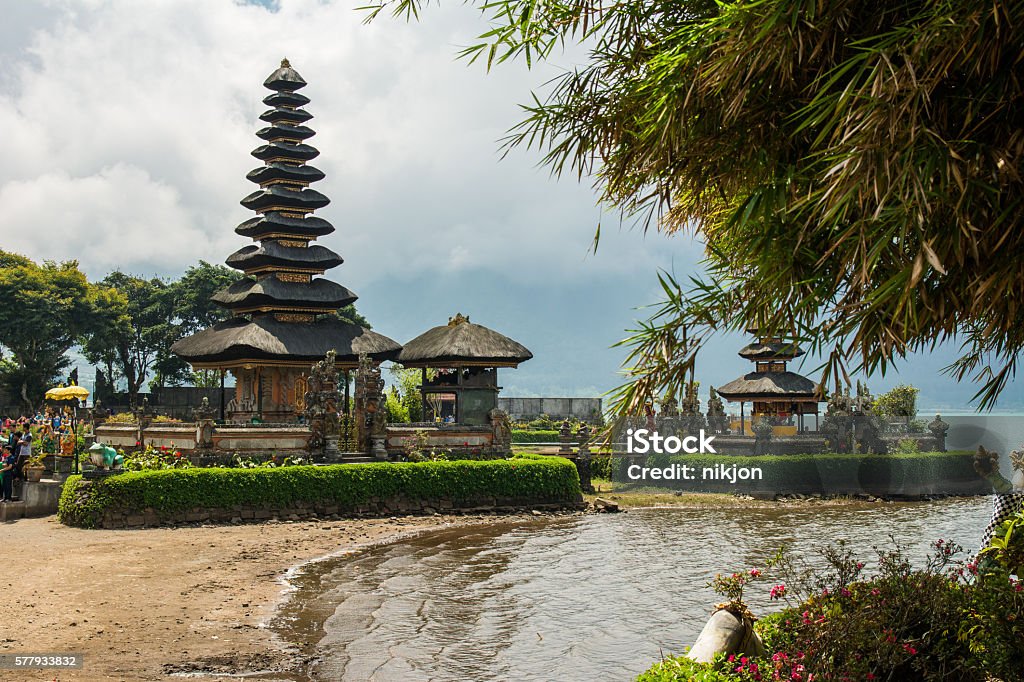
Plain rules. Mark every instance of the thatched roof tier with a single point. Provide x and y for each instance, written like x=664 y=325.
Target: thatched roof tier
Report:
x=283 y=151
x=285 y=115
x=285 y=172
x=285 y=79
x=280 y=198
x=285 y=131
x=274 y=224
x=286 y=99
x=769 y=386
x=273 y=293
x=272 y=254
x=773 y=350
x=269 y=340
x=461 y=342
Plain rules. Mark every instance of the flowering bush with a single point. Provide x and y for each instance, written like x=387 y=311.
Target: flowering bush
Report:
x=154 y=459
x=951 y=620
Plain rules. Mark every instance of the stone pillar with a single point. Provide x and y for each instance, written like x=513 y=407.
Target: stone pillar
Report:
x=565 y=439
x=583 y=459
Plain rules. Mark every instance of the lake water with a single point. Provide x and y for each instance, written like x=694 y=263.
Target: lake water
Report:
x=596 y=597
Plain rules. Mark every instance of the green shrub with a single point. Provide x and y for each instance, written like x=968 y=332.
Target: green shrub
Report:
x=548 y=479
x=534 y=436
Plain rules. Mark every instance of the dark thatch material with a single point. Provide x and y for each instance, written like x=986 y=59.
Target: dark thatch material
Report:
x=768 y=386
x=285 y=171
x=265 y=338
x=775 y=350
x=282 y=150
x=270 y=291
x=283 y=115
x=273 y=222
x=285 y=197
x=272 y=253
x=285 y=131
x=285 y=79
x=286 y=99
x=461 y=342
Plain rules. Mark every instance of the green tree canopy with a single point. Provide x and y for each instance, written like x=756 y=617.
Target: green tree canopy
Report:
x=853 y=167
x=46 y=308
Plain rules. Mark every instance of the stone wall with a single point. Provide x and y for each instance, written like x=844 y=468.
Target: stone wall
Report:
x=120 y=518
x=525 y=409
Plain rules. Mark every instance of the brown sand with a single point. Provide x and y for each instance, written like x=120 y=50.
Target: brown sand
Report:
x=141 y=604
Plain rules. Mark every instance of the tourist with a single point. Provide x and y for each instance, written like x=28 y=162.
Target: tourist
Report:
x=7 y=475
x=24 y=452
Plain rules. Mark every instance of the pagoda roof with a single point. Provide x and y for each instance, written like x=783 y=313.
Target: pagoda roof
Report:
x=769 y=386
x=271 y=292
x=268 y=339
x=285 y=131
x=285 y=79
x=285 y=115
x=286 y=99
x=461 y=342
x=275 y=254
x=283 y=150
x=284 y=171
x=272 y=222
x=772 y=350
x=280 y=196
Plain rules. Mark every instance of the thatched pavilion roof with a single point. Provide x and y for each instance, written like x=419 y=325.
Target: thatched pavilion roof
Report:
x=771 y=350
x=266 y=339
x=460 y=342
x=769 y=386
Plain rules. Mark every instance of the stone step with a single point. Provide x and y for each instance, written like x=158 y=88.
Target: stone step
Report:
x=9 y=511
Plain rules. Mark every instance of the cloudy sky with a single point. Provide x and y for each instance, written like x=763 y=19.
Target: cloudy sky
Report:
x=126 y=131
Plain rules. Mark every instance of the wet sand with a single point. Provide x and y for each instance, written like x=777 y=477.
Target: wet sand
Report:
x=143 y=604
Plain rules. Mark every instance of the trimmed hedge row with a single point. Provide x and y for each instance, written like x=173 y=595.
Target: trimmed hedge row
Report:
x=910 y=474
x=548 y=480
x=534 y=436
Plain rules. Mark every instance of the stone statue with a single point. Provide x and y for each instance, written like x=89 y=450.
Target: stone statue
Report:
x=501 y=426
x=669 y=407
x=321 y=401
x=583 y=458
x=718 y=422
x=105 y=457
x=565 y=439
x=938 y=429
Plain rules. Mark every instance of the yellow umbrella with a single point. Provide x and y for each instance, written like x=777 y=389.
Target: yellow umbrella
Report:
x=67 y=393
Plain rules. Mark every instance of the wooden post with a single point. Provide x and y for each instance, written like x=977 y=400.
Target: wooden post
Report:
x=259 y=393
x=423 y=395
x=222 y=395
x=743 y=429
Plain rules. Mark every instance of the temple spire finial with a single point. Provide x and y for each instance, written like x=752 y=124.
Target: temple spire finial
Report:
x=285 y=64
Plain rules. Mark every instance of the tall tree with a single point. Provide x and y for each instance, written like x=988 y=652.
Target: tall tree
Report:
x=138 y=345
x=46 y=308
x=852 y=166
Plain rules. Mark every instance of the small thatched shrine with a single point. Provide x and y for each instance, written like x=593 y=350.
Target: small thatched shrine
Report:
x=465 y=357
x=284 y=314
x=771 y=388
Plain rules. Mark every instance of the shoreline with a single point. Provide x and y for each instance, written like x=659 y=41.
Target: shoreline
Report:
x=200 y=601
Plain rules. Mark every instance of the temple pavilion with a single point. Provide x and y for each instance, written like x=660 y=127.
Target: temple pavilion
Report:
x=771 y=389
x=465 y=357
x=284 y=314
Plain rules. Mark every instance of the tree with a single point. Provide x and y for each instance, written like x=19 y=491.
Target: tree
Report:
x=137 y=346
x=350 y=314
x=46 y=308
x=852 y=166
x=901 y=401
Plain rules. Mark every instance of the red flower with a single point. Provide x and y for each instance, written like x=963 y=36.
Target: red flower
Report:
x=909 y=649
x=777 y=592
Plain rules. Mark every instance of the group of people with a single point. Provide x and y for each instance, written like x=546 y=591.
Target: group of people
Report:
x=17 y=449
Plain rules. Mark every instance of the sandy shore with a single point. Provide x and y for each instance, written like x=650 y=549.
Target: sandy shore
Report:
x=142 y=604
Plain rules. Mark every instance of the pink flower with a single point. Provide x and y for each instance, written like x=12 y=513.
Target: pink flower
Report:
x=777 y=592
x=909 y=649
x=860 y=565
x=754 y=572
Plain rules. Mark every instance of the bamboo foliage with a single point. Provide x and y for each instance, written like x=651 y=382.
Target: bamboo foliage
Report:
x=852 y=166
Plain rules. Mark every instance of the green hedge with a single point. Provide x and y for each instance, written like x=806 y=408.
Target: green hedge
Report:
x=534 y=436
x=544 y=480
x=825 y=472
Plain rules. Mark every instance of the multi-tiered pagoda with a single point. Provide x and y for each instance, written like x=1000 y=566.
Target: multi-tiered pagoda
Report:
x=771 y=388
x=284 y=316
